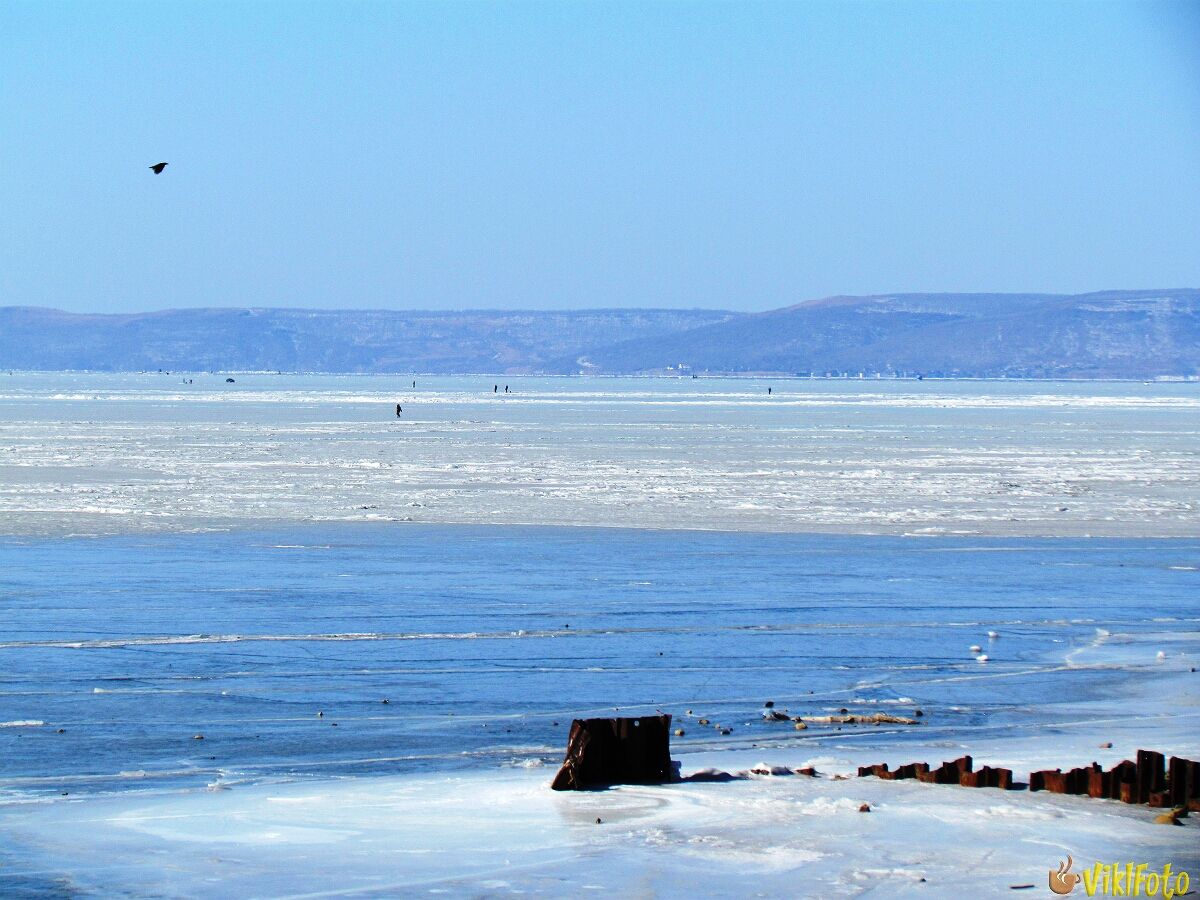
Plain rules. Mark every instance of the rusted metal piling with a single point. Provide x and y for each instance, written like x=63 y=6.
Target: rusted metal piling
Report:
x=604 y=752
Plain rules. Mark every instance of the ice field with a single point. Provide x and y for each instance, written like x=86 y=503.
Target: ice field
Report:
x=99 y=454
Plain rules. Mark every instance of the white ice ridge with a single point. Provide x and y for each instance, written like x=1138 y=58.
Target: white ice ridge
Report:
x=1071 y=459
x=136 y=640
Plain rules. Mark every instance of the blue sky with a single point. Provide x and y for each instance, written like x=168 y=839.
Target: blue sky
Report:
x=567 y=155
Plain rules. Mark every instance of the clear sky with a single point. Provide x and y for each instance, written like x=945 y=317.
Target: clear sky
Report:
x=565 y=155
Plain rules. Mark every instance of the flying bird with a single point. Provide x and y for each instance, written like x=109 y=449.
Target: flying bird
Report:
x=158 y=167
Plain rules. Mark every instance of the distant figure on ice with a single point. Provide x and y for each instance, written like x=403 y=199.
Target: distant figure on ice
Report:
x=399 y=409
x=768 y=392
x=414 y=384
x=506 y=389
x=495 y=388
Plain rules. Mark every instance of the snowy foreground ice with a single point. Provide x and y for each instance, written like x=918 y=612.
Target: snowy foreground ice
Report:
x=108 y=453
x=505 y=833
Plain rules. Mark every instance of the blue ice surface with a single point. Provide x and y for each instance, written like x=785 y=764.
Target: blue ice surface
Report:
x=487 y=641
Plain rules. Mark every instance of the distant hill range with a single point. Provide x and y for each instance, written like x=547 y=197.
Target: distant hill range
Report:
x=1110 y=334
x=301 y=340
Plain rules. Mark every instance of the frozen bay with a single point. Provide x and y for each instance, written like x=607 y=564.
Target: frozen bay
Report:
x=102 y=454
x=210 y=590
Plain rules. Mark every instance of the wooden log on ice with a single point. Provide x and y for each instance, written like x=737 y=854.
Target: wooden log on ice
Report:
x=854 y=719
x=604 y=752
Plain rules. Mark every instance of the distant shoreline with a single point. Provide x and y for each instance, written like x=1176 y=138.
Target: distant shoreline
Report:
x=699 y=376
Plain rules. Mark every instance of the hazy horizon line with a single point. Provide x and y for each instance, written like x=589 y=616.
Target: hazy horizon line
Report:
x=591 y=309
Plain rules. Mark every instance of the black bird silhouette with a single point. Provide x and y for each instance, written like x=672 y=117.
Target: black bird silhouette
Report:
x=158 y=167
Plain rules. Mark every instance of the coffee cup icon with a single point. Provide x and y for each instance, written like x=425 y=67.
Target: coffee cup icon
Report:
x=1064 y=880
